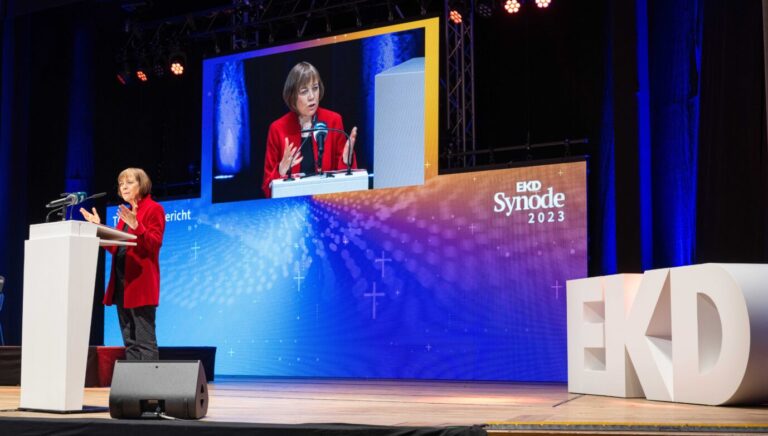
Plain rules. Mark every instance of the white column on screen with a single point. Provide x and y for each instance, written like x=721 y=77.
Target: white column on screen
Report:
x=398 y=144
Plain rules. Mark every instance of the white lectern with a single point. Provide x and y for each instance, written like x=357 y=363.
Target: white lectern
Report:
x=59 y=276
x=321 y=184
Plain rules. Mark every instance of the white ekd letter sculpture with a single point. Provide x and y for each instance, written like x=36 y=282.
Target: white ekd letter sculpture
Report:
x=695 y=334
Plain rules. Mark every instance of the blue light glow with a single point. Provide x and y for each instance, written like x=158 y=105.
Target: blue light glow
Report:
x=231 y=119
x=606 y=201
x=644 y=136
x=79 y=170
x=676 y=50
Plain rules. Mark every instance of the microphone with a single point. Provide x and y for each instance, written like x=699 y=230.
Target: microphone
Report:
x=320 y=132
x=289 y=173
x=68 y=199
x=349 y=156
x=325 y=129
x=95 y=196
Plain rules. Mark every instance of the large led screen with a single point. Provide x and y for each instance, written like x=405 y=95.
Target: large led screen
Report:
x=462 y=278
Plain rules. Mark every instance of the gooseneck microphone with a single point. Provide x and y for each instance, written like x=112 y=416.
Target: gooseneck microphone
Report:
x=325 y=129
x=349 y=156
x=95 y=196
x=320 y=131
x=68 y=199
x=289 y=173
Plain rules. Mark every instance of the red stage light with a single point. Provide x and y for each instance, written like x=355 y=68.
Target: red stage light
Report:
x=543 y=3
x=141 y=75
x=455 y=16
x=124 y=74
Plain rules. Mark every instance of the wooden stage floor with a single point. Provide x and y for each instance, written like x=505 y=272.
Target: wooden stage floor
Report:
x=504 y=407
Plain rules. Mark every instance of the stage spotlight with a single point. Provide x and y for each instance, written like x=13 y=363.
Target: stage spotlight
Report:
x=158 y=68
x=543 y=3
x=142 y=67
x=141 y=74
x=142 y=70
x=159 y=62
x=454 y=16
x=177 y=68
x=358 y=20
x=512 y=6
x=484 y=8
x=177 y=62
x=123 y=74
x=123 y=77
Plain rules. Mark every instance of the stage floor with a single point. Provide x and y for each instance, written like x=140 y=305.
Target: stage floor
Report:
x=503 y=407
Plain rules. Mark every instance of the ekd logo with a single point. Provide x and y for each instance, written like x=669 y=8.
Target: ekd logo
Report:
x=549 y=200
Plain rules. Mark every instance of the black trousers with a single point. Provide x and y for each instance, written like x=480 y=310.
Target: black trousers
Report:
x=138 y=328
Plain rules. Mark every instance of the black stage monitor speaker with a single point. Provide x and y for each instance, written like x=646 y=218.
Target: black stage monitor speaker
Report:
x=152 y=388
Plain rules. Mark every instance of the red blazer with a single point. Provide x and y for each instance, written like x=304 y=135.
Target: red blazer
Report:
x=287 y=126
x=142 y=262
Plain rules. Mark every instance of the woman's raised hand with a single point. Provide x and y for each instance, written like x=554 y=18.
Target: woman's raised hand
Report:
x=129 y=215
x=291 y=156
x=91 y=217
x=349 y=147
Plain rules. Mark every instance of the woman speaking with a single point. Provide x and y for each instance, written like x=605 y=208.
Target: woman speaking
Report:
x=288 y=147
x=134 y=283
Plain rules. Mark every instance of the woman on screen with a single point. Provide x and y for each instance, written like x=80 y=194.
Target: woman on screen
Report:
x=288 y=147
x=134 y=283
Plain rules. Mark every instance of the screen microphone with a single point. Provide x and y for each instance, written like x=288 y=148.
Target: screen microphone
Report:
x=320 y=130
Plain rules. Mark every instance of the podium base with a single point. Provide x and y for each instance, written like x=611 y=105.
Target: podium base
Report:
x=85 y=409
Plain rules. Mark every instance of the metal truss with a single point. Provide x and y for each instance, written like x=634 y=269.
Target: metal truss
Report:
x=250 y=23
x=460 y=87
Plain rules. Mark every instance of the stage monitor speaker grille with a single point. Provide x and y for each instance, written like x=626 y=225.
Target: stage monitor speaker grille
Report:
x=149 y=389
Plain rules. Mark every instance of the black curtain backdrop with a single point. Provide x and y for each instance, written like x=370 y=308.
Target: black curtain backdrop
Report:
x=733 y=163
x=14 y=126
x=539 y=76
x=626 y=136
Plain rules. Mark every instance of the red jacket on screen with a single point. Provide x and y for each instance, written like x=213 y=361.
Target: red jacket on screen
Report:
x=142 y=262
x=287 y=126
